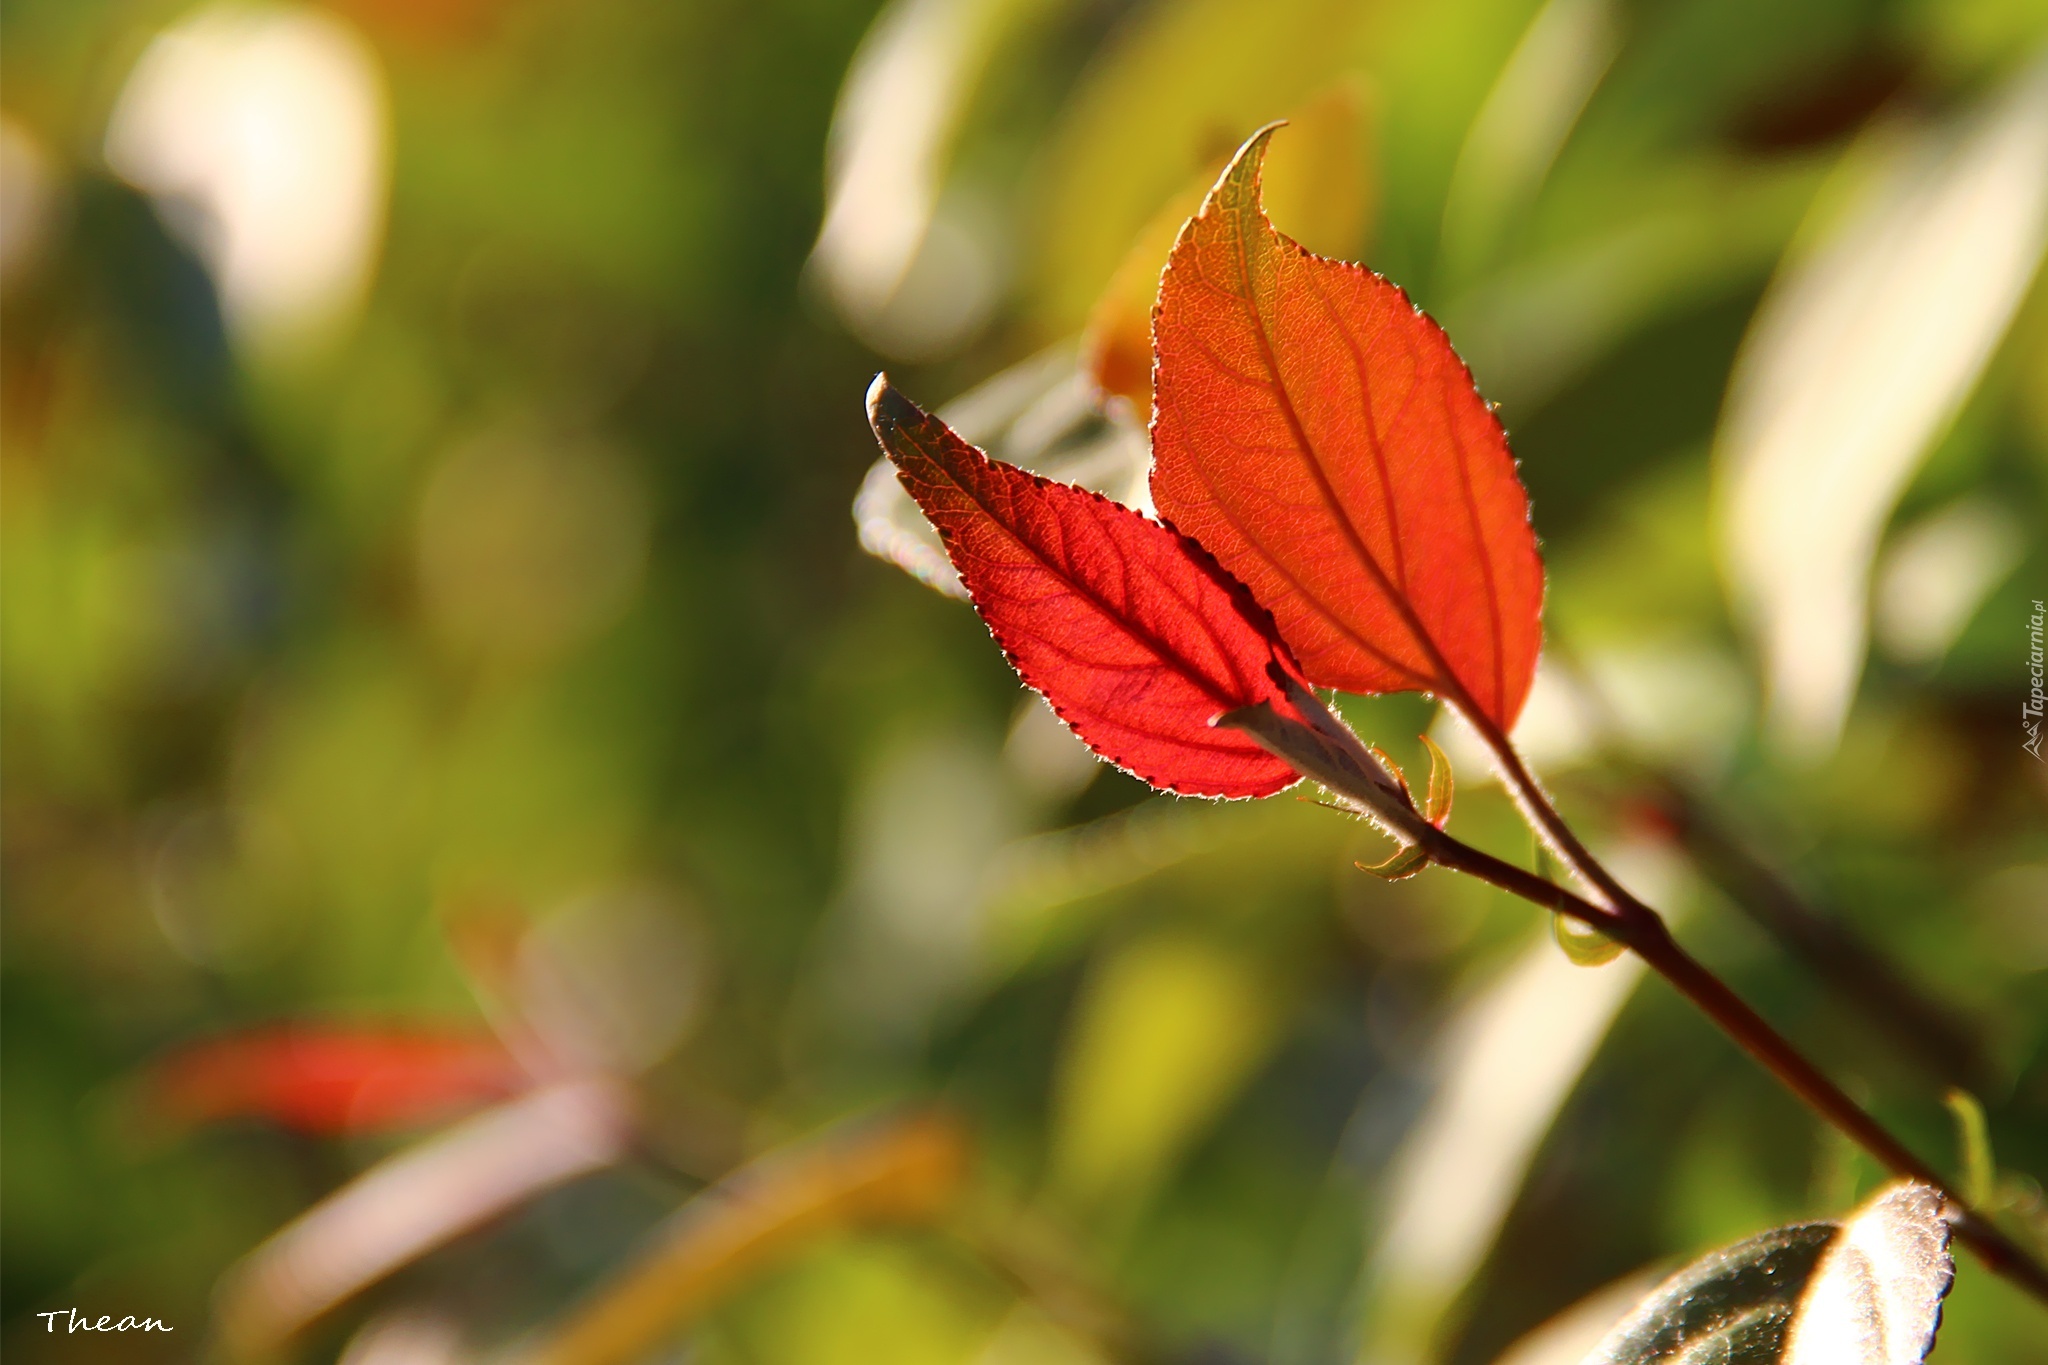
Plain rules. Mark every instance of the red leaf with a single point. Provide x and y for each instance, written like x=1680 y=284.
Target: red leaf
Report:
x=320 y=1080
x=1133 y=634
x=1318 y=434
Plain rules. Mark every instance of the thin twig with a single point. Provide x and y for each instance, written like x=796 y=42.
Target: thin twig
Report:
x=1635 y=925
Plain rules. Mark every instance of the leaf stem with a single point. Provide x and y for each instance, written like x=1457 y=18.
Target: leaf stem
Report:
x=1543 y=817
x=1312 y=751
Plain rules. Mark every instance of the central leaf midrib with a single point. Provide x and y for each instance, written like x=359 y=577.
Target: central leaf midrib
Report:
x=1448 y=681
x=1168 y=658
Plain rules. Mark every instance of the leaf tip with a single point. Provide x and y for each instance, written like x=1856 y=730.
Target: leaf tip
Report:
x=1238 y=185
x=887 y=405
x=1256 y=143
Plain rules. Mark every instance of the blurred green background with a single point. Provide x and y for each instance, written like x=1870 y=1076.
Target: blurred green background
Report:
x=431 y=602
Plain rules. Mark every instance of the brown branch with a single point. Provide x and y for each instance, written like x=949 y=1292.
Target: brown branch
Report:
x=1317 y=753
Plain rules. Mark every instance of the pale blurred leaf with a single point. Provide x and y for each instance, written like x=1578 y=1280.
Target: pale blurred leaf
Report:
x=1045 y=758
x=613 y=980
x=1864 y=1292
x=908 y=277
x=1041 y=414
x=1528 y=114
x=407 y=1336
x=1168 y=1029
x=420 y=1199
x=908 y=930
x=1685 y=236
x=1874 y=333
x=291 y=238
x=1173 y=93
x=1047 y=891
x=1932 y=579
x=1731 y=1307
x=1509 y=1060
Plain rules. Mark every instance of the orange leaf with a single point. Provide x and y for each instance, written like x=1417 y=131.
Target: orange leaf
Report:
x=1320 y=183
x=1116 y=346
x=1319 y=436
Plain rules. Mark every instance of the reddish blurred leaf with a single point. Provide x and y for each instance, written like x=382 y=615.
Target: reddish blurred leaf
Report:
x=322 y=1080
x=1319 y=435
x=1132 y=633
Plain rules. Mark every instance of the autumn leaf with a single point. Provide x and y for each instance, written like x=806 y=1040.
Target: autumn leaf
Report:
x=1319 y=436
x=333 y=1080
x=1133 y=634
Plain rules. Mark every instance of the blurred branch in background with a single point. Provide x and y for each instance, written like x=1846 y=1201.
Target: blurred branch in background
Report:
x=906 y=1170
x=1935 y=1035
